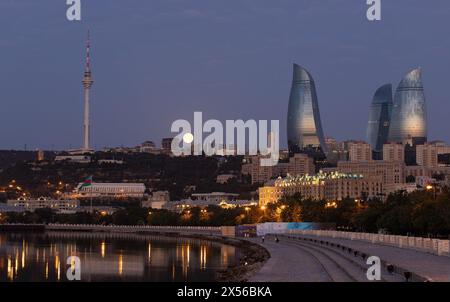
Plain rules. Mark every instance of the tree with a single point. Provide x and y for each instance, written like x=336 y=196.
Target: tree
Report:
x=162 y=217
x=45 y=215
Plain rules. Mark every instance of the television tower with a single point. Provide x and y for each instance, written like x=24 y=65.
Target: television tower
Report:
x=87 y=84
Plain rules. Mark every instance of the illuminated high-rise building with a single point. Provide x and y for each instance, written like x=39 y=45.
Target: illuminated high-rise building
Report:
x=379 y=118
x=304 y=129
x=409 y=116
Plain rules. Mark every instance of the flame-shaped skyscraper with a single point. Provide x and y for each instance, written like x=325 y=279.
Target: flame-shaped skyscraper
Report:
x=380 y=118
x=304 y=128
x=409 y=114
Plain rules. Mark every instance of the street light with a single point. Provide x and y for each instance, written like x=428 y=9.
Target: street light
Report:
x=331 y=205
x=432 y=187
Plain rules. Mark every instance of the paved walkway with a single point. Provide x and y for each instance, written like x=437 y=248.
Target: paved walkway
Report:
x=436 y=268
x=288 y=264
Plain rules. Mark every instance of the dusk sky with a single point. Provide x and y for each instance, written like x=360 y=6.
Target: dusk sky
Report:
x=157 y=61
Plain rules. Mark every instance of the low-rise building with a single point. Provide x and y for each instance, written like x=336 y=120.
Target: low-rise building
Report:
x=424 y=181
x=5 y=208
x=149 y=147
x=390 y=172
x=103 y=210
x=322 y=186
x=111 y=190
x=405 y=187
x=427 y=155
x=224 y=178
x=186 y=204
x=40 y=155
x=417 y=171
x=394 y=152
x=111 y=161
x=359 y=151
x=299 y=164
x=214 y=197
x=336 y=151
x=62 y=206
x=166 y=144
x=157 y=200
x=79 y=159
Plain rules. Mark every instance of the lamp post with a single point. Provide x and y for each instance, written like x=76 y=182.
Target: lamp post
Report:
x=432 y=187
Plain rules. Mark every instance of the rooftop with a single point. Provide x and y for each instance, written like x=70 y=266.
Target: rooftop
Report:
x=321 y=176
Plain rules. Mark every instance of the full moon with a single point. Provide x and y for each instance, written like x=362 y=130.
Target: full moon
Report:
x=188 y=138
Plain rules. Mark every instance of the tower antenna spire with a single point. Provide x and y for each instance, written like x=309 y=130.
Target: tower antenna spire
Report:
x=88 y=52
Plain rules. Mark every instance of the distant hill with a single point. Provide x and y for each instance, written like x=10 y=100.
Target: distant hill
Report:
x=10 y=157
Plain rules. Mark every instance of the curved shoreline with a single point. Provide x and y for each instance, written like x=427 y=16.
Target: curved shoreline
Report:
x=253 y=255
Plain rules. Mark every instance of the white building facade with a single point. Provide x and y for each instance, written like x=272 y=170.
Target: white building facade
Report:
x=111 y=190
x=61 y=206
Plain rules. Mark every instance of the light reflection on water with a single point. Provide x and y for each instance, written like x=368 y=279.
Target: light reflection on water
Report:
x=111 y=257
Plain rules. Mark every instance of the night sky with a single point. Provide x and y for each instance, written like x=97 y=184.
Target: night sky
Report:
x=159 y=60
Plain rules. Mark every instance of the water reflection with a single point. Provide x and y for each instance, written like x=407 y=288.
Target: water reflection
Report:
x=111 y=257
x=103 y=249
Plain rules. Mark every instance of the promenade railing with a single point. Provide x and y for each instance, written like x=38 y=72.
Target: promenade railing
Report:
x=135 y=228
x=435 y=246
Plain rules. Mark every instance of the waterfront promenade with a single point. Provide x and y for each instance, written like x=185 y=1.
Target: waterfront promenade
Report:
x=310 y=256
x=297 y=258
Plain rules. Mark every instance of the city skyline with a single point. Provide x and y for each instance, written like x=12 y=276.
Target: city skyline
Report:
x=139 y=67
x=141 y=142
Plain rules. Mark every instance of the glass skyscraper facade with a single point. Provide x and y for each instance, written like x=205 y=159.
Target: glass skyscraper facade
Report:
x=409 y=116
x=379 y=118
x=304 y=129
